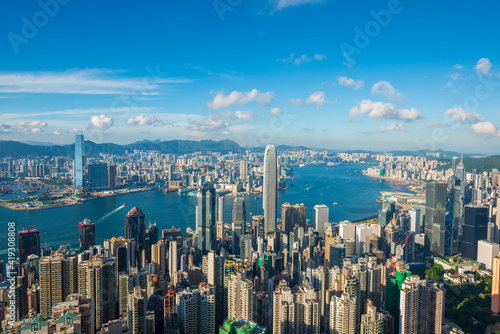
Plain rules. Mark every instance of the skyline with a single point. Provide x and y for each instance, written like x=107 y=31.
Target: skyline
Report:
x=420 y=81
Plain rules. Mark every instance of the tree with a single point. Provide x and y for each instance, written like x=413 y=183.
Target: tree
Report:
x=435 y=272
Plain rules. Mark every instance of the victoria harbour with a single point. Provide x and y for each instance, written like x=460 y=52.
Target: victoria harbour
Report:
x=343 y=184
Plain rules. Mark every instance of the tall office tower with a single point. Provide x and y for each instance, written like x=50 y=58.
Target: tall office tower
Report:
x=486 y=251
x=124 y=251
x=495 y=285
x=239 y=223
x=292 y=215
x=343 y=312
x=409 y=302
x=112 y=176
x=374 y=284
x=215 y=277
x=58 y=279
x=240 y=297
x=414 y=220
x=79 y=163
x=135 y=227
x=97 y=280
x=151 y=239
x=244 y=169
x=269 y=189
x=172 y=258
x=372 y=322
x=205 y=225
x=284 y=310
x=435 y=211
x=475 y=229
x=330 y=235
x=219 y=234
x=28 y=242
x=98 y=175
x=460 y=171
x=136 y=313
x=321 y=216
x=87 y=234
x=220 y=208
x=158 y=257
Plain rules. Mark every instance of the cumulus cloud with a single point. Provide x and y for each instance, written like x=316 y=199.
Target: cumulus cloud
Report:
x=245 y=116
x=73 y=130
x=141 y=120
x=275 y=111
x=281 y=4
x=484 y=128
x=5 y=128
x=317 y=98
x=56 y=133
x=384 y=110
x=386 y=89
x=483 y=66
x=349 y=82
x=462 y=115
x=236 y=98
x=31 y=127
x=100 y=122
x=458 y=66
x=393 y=127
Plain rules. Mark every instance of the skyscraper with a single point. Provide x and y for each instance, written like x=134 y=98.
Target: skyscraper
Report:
x=239 y=223
x=136 y=315
x=343 y=314
x=240 y=297
x=58 y=279
x=495 y=285
x=97 y=280
x=172 y=258
x=29 y=242
x=244 y=169
x=293 y=215
x=435 y=201
x=112 y=176
x=86 y=234
x=79 y=161
x=135 y=227
x=474 y=229
x=321 y=216
x=98 y=175
x=205 y=225
x=269 y=189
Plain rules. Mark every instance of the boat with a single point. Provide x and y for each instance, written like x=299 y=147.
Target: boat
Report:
x=124 y=204
x=186 y=190
x=306 y=189
x=302 y=165
x=258 y=197
x=335 y=203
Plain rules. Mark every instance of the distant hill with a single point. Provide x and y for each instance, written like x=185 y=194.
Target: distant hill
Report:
x=485 y=164
x=16 y=149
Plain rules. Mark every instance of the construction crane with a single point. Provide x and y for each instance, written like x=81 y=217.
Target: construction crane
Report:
x=398 y=254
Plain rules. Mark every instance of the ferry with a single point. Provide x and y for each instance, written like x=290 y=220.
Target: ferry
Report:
x=335 y=203
x=302 y=165
x=186 y=190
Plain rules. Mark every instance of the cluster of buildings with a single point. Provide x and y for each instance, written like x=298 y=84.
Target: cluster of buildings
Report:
x=274 y=273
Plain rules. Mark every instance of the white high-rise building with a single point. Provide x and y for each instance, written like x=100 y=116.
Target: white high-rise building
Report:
x=269 y=189
x=347 y=230
x=343 y=312
x=408 y=305
x=363 y=233
x=415 y=220
x=486 y=251
x=321 y=216
x=240 y=297
x=283 y=310
x=172 y=258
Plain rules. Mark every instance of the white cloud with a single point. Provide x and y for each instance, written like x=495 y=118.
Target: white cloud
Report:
x=483 y=66
x=74 y=130
x=88 y=81
x=141 y=120
x=296 y=102
x=275 y=111
x=5 y=128
x=56 y=133
x=349 y=82
x=384 y=110
x=212 y=122
x=317 y=98
x=319 y=57
x=393 y=127
x=463 y=115
x=236 y=98
x=386 y=89
x=303 y=59
x=484 y=128
x=245 y=116
x=458 y=66
x=31 y=127
x=101 y=122
x=454 y=76
x=294 y=3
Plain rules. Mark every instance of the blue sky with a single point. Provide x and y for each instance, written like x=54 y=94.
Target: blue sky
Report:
x=378 y=75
